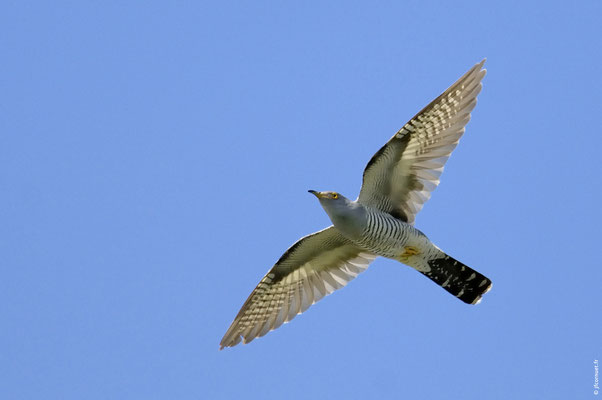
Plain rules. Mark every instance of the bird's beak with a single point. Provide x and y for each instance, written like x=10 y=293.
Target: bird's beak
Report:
x=317 y=194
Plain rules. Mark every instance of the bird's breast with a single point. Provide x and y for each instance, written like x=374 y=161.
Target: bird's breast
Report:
x=350 y=226
x=388 y=236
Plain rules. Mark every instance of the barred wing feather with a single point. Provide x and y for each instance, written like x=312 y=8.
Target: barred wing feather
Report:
x=315 y=266
x=400 y=177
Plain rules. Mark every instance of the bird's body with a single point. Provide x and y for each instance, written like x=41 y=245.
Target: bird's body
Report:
x=396 y=183
x=375 y=231
x=387 y=236
x=379 y=233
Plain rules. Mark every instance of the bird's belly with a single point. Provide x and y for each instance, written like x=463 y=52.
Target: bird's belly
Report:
x=401 y=242
x=388 y=247
x=390 y=237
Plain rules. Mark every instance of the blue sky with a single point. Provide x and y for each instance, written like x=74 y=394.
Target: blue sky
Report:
x=154 y=162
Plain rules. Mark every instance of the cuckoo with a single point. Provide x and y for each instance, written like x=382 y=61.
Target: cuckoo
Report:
x=397 y=181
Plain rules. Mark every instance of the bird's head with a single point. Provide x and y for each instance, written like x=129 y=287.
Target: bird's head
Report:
x=331 y=201
x=346 y=215
x=328 y=196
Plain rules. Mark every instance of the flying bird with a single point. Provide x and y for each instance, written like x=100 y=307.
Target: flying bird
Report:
x=397 y=181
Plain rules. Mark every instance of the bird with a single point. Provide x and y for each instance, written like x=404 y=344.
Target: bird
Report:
x=396 y=183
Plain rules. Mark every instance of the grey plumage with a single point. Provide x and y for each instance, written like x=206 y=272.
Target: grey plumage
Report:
x=396 y=182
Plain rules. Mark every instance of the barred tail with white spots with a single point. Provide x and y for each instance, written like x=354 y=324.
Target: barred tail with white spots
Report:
x=458 y=279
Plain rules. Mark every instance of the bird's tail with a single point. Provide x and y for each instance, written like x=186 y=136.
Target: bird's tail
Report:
x=460 y=280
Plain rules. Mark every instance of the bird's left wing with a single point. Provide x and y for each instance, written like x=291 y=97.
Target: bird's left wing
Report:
x=400 y=177
x=315 y=266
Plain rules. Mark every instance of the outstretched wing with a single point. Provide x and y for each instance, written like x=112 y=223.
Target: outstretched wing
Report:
x=400 y=177
x=315 y=266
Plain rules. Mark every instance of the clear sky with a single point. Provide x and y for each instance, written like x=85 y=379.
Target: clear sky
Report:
x=154 y=163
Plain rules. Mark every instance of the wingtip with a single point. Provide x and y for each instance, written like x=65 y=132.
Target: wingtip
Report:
x=480 y=65
x=478 y=70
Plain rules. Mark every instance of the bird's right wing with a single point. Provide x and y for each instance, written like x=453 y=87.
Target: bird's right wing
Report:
x=315 y=266
x=400 y=177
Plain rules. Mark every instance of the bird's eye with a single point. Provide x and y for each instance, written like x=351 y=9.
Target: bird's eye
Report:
x=335 y=196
